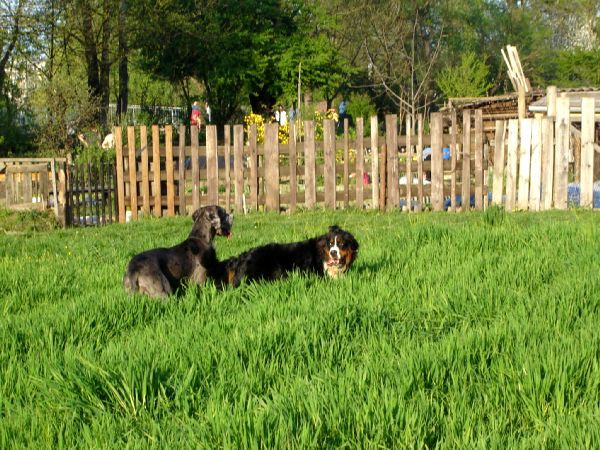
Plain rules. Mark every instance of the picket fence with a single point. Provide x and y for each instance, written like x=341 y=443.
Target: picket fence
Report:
x=520 y=165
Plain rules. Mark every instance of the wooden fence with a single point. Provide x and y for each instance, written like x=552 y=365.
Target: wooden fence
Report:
x=519 y=165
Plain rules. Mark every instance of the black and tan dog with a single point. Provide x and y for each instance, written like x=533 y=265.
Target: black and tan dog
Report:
x=161 y=271
x=331 y=254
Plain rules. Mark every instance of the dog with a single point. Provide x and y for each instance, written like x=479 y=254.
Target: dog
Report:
x=161 y=271
x=331 y=254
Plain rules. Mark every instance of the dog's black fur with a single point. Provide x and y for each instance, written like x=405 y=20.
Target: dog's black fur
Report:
x=161 y=271
x=273 y=261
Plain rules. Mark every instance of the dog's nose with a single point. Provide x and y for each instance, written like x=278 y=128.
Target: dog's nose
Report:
x=333 y=252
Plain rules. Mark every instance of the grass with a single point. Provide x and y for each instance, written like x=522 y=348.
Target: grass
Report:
x=451 y=331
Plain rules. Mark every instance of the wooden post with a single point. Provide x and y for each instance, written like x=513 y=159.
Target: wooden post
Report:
x=466 y=163
x=310 y=187
x=132 y=172
x=499 y=161
x=293 y=161
x=391 y=138
x=181 y=170
x=478 y=159
x=272 y=167
x=511 y=164
x=145 y=185
x=169 y=167
x=547 y=162
x=453 y=153
x=346 y=165
x=408 y=149
x=212 y=165
x=551 y=101
x=329 y=155
x=227 y=165
x=253 y=164
x=419 y=163
x=156 y=171
x=524 y=164
x=360 y=162
x=587 y=152
x=375 y=162
x=561 y=160
x=238 y=166
x=437 y=169
x=535 y=177
x=195 y=168
x=383 y=177
x=120 y=174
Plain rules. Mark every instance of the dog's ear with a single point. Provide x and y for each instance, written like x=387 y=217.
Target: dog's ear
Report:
x=334 y=228
x=197 y=214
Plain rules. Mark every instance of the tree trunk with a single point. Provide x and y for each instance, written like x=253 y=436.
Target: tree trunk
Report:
x=123 y=96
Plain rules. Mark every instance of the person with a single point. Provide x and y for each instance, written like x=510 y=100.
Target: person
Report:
x=208 y=112
x=281 y=116
x=341 y=113
x=195 y=117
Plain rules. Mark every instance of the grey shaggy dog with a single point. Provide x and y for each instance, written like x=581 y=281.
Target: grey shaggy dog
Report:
x=161 y=271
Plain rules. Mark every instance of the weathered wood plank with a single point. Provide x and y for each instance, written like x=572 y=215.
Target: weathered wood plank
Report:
x=391 y=137
x=466 y=165
x=132 y=172
x=120 y=174
x=535 y=180
x=437 y=171
x=170 y=168
x=145 y=182
x=512 y=164
x=272 y=167
x=478 y=149
x=329 y=156
x=524 y=164
x=499 y=162
x=375 y=162
x=562 y=151
x=195 y=168
x=310 y=186
x=156 y=171
x=587 y=152
x=360 y=163
x=238 y=166
x=212 y=167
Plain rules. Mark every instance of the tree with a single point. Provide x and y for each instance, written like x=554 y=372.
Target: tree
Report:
x=469 y=79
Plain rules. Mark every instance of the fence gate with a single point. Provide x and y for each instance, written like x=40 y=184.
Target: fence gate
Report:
x=91 y=198
x=27 y=186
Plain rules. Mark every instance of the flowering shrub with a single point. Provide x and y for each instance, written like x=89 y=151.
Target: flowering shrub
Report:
x=260 y=126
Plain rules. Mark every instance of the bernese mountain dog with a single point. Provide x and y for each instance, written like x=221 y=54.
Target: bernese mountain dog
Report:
x=331 y=254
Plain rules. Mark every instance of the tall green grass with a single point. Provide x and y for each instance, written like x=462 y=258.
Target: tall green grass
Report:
x=451 y=331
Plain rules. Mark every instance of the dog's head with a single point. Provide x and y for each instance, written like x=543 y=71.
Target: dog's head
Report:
x=339 y=250
x=213 y=219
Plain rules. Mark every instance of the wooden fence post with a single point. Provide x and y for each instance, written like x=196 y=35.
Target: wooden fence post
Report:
x=156 y=171
x=329 y=161
x=453 y=157
x=524 y=164
x=195 y=168
x=420 y=127
x=169 y=167
x=391 y=138
x=587 y=152
x=512 y=164
x=293 y=162
x=145 y=183
x=212 y=165
x=253 y=164
x=227 y=165
x=466 y=163
x=375 y=162
x=272 y=167
x=479 y=160
x=535 y=178
x=120 y=174
x=346 y=180
x=408 y=152
x=132 y=172
x=547 y=162
x=360 y=162
x=562 y=150
x=437 y=168
x=238 y=166
x=181 y=171
x=310 y=187
x=499 y=161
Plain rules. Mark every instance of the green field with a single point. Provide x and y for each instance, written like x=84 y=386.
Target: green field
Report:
x=451 y=331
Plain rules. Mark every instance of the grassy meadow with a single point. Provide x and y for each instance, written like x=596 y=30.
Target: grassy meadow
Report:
x=478 y=330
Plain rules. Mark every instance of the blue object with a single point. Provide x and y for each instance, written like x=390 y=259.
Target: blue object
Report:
x=446 y=153
x=574 y=194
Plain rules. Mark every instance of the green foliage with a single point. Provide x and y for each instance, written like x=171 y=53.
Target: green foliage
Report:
x=361 y=105
x=27 y=221
x=469 y=79
x=575 y=68
x=494 y=215
x=470 y=336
